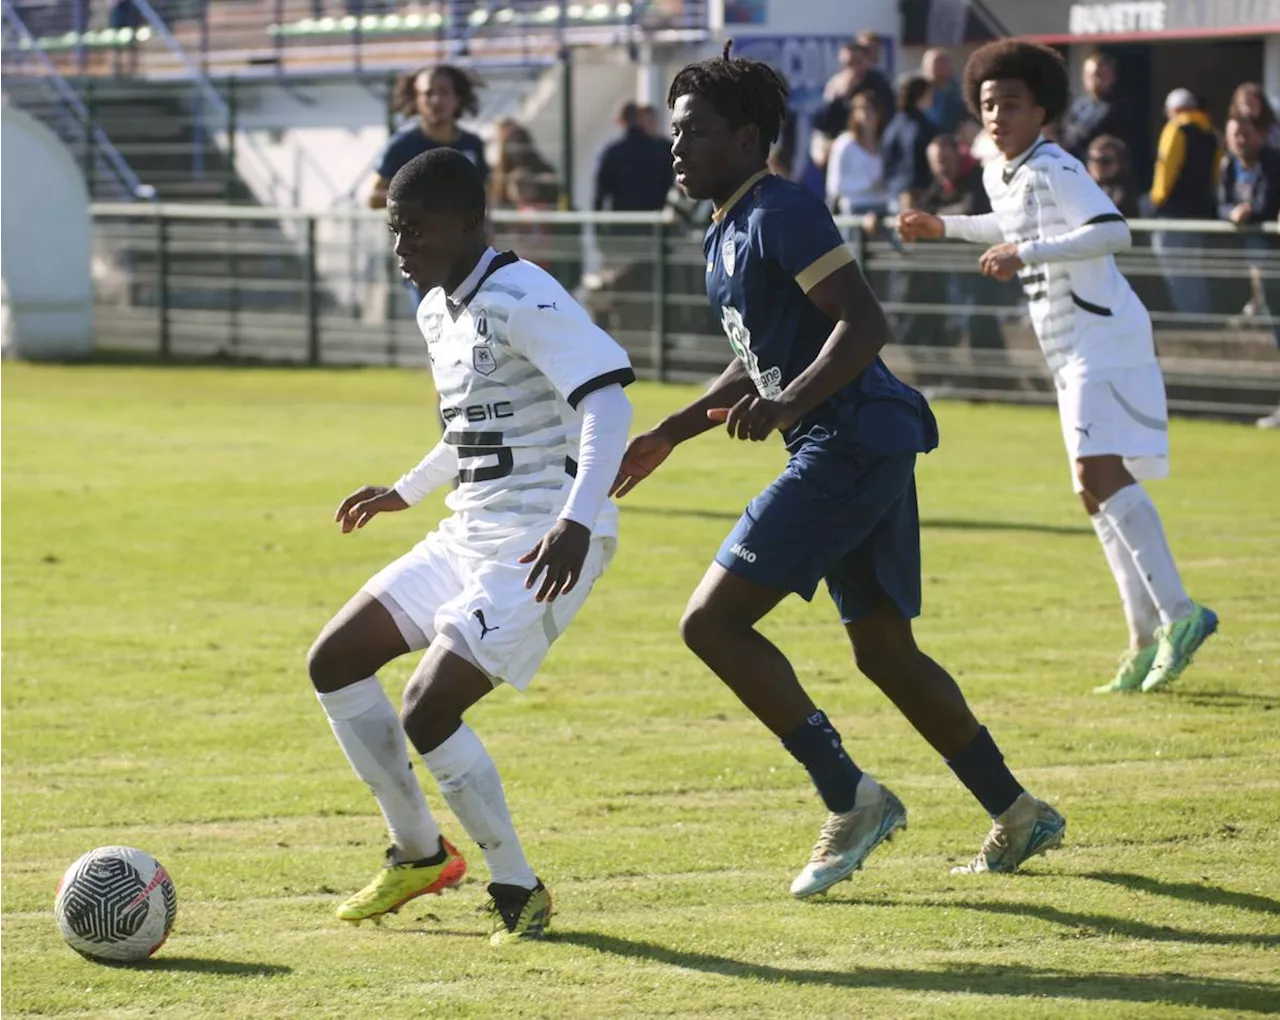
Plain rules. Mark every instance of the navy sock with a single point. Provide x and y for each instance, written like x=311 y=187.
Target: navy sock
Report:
x=815 y=744
x=980 y=766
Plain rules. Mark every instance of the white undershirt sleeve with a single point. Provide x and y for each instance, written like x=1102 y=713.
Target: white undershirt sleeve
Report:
x=440 y=465
x=1091 y=241
x=984 y=229
x=606 y=417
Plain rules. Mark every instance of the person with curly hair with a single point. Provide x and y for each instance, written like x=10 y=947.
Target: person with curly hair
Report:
x=1055 y=229
x=434 y=99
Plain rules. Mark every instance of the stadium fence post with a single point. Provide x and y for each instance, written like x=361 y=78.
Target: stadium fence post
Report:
x=566 y=121
x=233 y=117
x=659 y=339
x=90 y=117
x=162 y=280
x=312 y=298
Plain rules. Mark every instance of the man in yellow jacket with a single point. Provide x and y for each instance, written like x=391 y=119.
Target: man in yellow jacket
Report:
x=1184 y=188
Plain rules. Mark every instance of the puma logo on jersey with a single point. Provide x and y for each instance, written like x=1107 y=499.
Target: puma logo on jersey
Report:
x=484 y=627
x=550 y=304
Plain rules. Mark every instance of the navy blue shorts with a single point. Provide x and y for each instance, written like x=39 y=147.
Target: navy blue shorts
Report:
x=844 y=516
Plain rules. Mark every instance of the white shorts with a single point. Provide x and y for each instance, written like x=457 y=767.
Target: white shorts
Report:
x=1118 y=411
x=438 y=592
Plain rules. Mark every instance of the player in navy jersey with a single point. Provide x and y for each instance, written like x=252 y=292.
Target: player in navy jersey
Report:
x=806 y=331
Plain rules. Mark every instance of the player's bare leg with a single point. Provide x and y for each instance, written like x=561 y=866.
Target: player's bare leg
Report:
x=343 y=663
x=443 y=687
x=886 y=653
x=719 y=627
x=1133 y=539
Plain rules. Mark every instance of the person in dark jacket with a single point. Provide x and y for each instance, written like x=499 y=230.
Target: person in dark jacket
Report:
x=1185 y=188
x=905 y=144
x=634 y=173
x=1249 y=194
x=1100 y=111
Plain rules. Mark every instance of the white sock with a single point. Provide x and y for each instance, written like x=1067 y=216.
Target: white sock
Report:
x=469 y=781
x=1139 y=610
x=1133 y=516
x=372 y=737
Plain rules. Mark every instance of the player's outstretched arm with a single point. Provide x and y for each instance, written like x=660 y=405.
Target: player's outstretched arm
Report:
x=649 y=449
x=437 y=467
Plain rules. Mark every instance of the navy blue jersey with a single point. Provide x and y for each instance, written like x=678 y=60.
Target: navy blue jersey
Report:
x=409 y=141
x=765 y=250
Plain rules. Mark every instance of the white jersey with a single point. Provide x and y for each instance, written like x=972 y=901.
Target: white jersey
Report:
x=512 y=355
x=1084 y=312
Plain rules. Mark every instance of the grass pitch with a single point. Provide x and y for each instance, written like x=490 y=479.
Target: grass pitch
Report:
x=169 y=554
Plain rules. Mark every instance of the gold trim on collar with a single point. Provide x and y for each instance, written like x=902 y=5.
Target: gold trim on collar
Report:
x=719 y=214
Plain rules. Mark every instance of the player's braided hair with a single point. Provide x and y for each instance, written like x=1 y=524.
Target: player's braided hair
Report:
x=1041 y=68
x=742 y=91
x=439 y=180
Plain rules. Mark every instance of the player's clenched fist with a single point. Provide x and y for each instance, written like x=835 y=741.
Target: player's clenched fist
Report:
x=365 y=503
x=917 y=225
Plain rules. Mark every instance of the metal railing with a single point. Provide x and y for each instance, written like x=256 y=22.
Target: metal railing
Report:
x=284 y=285
x=271 y=37
x=51 y=98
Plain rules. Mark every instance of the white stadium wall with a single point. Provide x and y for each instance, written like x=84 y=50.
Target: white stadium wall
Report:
x=45 y=244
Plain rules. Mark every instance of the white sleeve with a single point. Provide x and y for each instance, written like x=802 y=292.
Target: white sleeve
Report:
x=1095 y=226
x=1091 y=241
x=440 y=465
x=606 y=417
x=555 y=333
x=984 y=229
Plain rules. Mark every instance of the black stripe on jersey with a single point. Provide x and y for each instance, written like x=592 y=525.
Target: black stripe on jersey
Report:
x=503 y=259
x=1089 y=306
x=473 y=438
x=621 y=376
x=571 y=467
x=1038 y=295
x=1031 y=278
x=1105 y=218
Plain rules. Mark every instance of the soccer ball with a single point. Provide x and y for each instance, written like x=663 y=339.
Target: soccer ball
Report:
x=116 y=903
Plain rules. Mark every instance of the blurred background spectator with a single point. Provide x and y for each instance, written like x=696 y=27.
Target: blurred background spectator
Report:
x=1185 y=188
x=1249 y=194
x=857 y=74
x=438 y=96
x=1251 y=102
x=946 y=104
x=855 y=167
x=521 y=177
x=906 y=139
x=1099 y=111
x=634 y=171
x=1107 y=160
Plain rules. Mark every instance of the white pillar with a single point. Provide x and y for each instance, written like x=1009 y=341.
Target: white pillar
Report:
x=1271 y=66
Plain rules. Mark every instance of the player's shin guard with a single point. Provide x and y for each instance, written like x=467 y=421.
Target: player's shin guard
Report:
x=372 y=737
x=469 y=781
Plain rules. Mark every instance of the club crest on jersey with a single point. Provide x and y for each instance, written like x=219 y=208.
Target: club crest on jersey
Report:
x=482 y=359
x=728 y=252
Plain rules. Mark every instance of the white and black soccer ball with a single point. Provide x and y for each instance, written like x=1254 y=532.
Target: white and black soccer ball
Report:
x=116 y=903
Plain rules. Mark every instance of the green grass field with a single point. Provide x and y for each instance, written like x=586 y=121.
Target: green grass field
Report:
x=169 y=554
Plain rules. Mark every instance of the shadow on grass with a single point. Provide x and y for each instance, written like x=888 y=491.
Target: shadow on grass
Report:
x=934 y=523
x=960 y=979
x=1228 y=699
x=1103 y=924
x=1194 y=892
x=214 y=968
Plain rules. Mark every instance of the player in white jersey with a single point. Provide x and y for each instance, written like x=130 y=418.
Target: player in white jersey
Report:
x=535 y=427
x=1054 y=228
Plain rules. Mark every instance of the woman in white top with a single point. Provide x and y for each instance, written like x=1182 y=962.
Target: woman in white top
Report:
x=855 y=168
